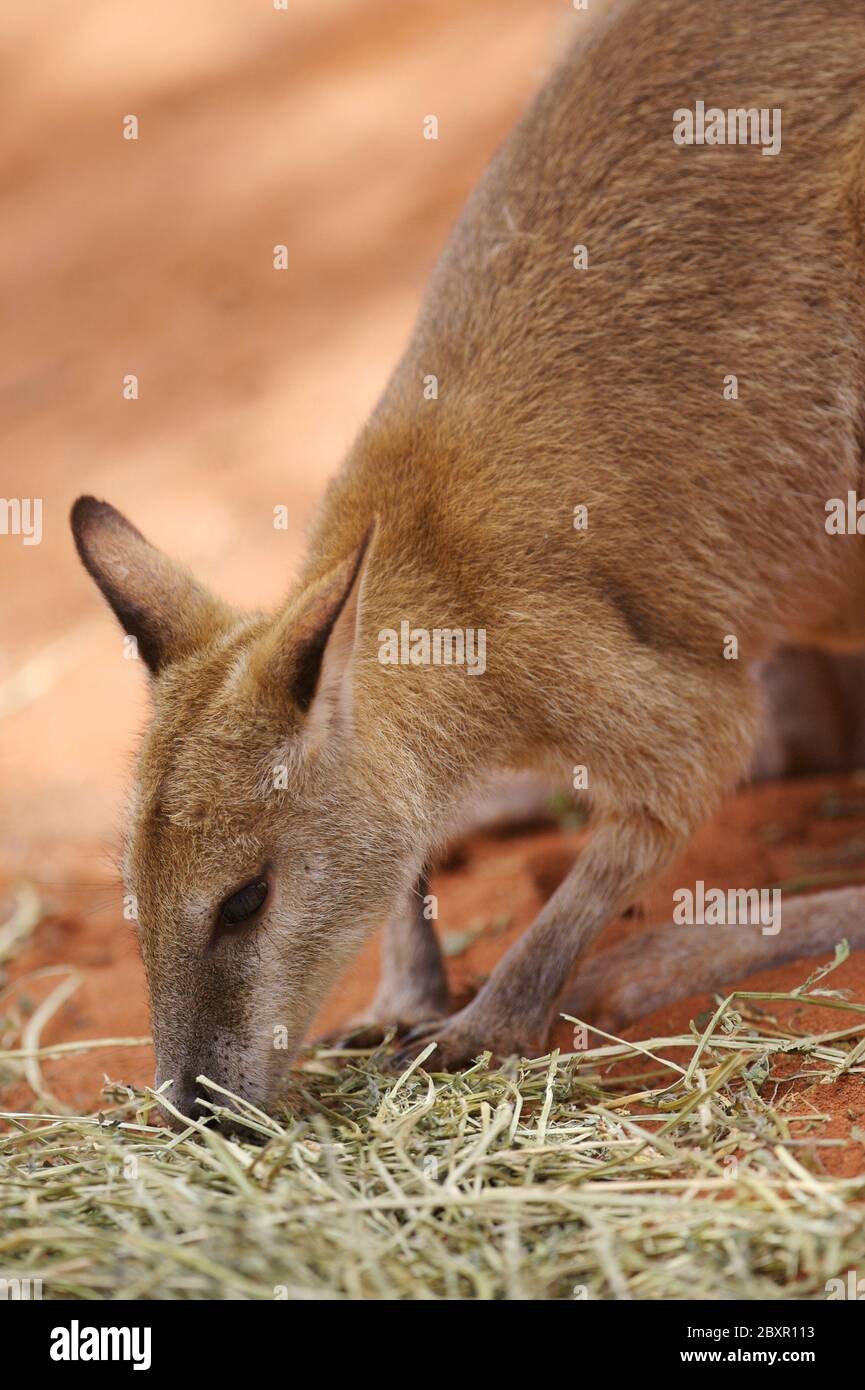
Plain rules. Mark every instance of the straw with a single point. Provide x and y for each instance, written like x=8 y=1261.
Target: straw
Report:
x=539 y=1179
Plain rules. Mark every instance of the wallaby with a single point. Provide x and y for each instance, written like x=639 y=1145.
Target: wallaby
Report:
x=814 y=714
x=557 y=463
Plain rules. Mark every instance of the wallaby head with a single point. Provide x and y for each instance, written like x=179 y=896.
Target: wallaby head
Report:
x=263 y=838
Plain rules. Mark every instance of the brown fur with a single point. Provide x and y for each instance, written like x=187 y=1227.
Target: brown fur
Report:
x=645 y=972
x=557 y=387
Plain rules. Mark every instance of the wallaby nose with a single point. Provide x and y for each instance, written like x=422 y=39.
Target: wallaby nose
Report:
x=187 y=1097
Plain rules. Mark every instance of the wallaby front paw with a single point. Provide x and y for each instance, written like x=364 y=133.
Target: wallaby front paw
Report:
x=459 y=1040
x=371 y=1027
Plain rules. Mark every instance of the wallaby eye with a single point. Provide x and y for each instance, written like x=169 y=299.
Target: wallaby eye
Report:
x=244 y=903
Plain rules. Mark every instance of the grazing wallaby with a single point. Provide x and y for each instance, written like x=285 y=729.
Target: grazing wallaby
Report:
x=585 y=489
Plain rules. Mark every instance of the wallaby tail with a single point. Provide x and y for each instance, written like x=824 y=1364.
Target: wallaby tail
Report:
x=662 y=964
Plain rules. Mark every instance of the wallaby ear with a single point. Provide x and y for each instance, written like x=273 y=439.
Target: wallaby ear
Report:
x=156 y=601
x=309 y=655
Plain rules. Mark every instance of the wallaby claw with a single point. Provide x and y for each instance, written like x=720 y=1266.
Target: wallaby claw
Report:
x=459 y=1042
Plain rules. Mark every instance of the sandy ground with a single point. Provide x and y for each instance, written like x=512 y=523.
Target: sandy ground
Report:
x=154 y=257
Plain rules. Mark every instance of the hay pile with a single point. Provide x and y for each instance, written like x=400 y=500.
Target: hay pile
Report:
x=613 y=1172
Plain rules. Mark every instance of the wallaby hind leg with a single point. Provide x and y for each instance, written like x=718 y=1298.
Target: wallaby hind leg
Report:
x=658 y=966
x=814 y=716
x=413 y=986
